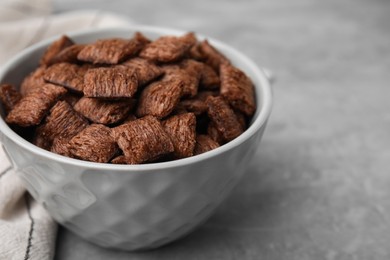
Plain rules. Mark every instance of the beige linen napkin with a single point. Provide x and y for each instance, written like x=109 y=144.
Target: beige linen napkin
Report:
x=26 y=230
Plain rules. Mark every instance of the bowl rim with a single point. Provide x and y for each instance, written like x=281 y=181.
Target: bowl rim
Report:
x=257 y=123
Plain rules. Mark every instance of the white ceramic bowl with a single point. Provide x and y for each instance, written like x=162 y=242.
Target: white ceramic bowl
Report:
x=133 y=207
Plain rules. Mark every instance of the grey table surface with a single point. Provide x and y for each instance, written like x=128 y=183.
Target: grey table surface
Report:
x=320 y=186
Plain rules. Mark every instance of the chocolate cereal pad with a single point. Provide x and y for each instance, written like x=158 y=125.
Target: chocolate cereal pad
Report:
x=131 y=100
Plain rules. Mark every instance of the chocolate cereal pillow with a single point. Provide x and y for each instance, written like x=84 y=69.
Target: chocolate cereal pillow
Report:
x=131 y=100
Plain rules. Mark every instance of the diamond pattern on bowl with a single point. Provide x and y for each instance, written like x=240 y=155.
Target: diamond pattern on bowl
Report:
x=99 y=183
x=137 y=210
x=79 y=196
x=30 y=180
x=49 y=173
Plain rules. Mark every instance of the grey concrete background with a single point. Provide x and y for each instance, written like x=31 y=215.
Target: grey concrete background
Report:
x=320 y=188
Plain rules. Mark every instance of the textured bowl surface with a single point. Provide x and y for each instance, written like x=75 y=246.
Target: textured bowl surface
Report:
x=133 y=207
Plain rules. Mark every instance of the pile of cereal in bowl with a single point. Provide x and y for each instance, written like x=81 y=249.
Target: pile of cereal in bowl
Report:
x=131 y=101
